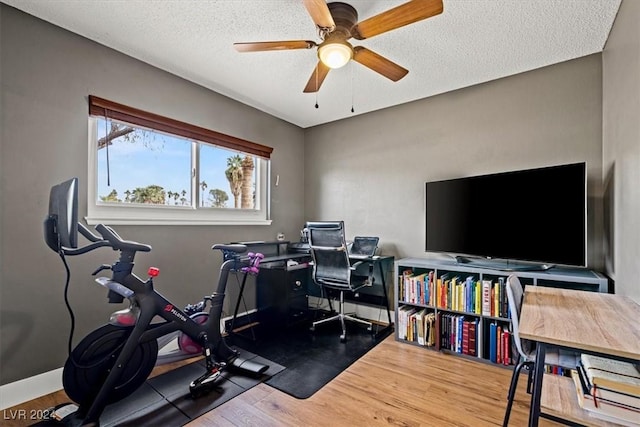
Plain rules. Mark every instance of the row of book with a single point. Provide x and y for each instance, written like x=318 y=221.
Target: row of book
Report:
x=460 y=334
x=500 y=348
x=417 y=325
x=450 y=291
x=455 y=332
x=608 y=389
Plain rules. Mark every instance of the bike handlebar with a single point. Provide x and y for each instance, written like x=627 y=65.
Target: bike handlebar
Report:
x=109 y=239
x=118 y=243
x=87 y=233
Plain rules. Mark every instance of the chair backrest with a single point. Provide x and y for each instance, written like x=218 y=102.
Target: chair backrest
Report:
x=514 y=297
x=364 y=246
x=331 y=267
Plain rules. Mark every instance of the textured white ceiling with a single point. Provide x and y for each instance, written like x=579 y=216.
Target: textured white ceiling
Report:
x=471 y=42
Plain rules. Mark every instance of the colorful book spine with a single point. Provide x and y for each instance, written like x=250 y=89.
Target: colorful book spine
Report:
x=459 y=335
x=506 y=347
x=492 y=342
x=486 y=298
x=499 y=344
x=498 y=300
x=438 y=332
x=473 y=338
x=468 y=294
x=503 y=298
x=465 y=336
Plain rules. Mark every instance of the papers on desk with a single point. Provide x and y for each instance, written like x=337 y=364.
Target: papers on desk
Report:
x=295 y=265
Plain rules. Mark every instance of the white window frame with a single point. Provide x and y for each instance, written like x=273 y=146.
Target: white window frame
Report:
x=124 y=214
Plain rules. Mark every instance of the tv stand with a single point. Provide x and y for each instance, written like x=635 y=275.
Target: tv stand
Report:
x=502 y=264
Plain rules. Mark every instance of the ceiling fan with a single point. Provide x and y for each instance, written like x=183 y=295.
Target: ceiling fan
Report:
x=338 y=22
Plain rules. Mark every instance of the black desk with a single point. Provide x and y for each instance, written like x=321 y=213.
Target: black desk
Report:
x=283 y=285
x=282 y=290
x=267 y=248
x=375 y=293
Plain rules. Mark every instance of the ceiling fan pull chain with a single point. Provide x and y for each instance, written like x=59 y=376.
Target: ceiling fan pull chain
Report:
x=351 y=66
x=317 y=70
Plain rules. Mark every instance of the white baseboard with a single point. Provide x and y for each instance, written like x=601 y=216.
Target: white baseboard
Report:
x=17 y=392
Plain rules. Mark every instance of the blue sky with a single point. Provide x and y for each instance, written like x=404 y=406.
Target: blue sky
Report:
x=161 y=160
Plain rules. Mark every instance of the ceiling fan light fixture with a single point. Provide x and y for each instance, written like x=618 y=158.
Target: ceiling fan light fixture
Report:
x=335 y=54
x=337 y=22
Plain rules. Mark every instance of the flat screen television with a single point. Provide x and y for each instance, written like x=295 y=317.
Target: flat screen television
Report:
x=535 y=215
x=61 y=224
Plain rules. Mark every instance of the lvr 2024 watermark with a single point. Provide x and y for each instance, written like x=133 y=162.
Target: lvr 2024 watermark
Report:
x=27 y=414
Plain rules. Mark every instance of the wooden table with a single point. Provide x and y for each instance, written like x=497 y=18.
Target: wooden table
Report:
x=587 y=322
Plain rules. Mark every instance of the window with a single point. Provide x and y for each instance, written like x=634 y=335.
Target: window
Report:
x=148 y=169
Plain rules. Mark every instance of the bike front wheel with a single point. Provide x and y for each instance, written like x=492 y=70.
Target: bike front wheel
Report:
x=93 y=358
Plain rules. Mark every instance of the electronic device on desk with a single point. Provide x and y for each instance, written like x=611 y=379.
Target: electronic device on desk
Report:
x=363 y=247
x=303 y=245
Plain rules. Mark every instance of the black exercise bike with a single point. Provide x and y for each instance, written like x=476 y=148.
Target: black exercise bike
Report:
x=115 y=360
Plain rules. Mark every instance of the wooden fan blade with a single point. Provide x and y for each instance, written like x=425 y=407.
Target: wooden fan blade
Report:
x=405 y=14
x=320 y=14
x=280 y=45
x=317 y=77
x=378 y=63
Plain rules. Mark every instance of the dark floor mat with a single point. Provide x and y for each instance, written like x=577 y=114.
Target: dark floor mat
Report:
x=165 y=400
x=177 y=406
x=312 y=359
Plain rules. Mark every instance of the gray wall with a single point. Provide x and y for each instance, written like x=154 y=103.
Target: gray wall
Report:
x=370 y=170
x=47 y=74
x=621 y=149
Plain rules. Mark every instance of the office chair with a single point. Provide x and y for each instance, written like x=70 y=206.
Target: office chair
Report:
x=527 y=349
x=332 y=270
x=363 y=247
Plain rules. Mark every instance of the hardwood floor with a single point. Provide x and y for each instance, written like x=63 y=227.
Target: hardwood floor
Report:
x=394 y=384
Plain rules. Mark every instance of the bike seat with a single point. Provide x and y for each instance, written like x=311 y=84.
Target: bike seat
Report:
x=237 y=248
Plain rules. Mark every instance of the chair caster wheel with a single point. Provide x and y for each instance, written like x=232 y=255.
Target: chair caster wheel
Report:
x=370 y=328
x=312 y=328
x=343 y=338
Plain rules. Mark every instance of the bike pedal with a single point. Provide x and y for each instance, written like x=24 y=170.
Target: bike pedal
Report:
x=60 y=412
x=204 y=384
x=212 y=378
